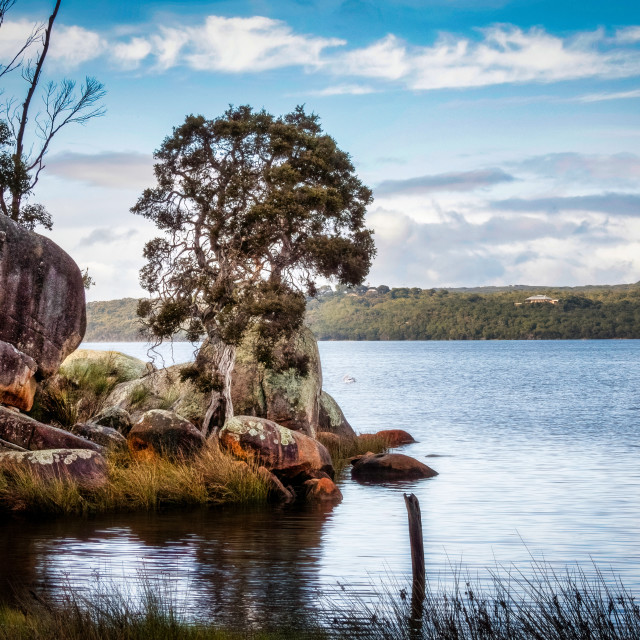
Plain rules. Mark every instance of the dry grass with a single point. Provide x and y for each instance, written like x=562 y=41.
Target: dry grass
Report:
x=209 y=478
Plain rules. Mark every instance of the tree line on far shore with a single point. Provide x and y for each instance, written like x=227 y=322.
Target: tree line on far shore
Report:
x=384 y=313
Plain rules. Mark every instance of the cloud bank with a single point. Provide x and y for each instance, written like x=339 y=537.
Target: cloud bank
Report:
x=498 y=54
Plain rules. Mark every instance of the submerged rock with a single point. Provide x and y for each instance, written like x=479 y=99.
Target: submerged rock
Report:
x=331 y=419
x=389 y=466
x=322 y=490
x=163 y=433
x=17 y=384
x=42 y=307
x=395 y=437
x=87 y=468
x=30 y=434
x=289 y=454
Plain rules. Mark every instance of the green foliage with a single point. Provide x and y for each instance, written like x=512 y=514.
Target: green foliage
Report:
x=483 y=314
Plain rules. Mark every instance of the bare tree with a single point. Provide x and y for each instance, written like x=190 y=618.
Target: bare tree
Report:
x=25 y=138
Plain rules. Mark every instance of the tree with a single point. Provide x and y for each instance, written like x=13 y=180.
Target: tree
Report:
x=25 y=139
x=254 y=209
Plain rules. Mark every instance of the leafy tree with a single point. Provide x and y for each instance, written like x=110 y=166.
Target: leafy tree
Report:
x=254 y=209
x=25 y=138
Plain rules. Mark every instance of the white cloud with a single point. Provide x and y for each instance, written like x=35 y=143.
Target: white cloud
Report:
x=130 y=54
x=252 y=44
x=14 y=35
x=110 y=169
x=70 y=45
x=73 y=45
x=505 y=54
x=388 y=59
x=628 y=34
x=236 y=45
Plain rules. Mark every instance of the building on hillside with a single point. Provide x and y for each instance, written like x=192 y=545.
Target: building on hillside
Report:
x=540 y=299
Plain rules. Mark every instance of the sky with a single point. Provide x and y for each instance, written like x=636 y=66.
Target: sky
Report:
x=500 y=137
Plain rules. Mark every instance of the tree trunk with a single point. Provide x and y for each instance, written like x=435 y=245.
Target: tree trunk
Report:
x=220 y=359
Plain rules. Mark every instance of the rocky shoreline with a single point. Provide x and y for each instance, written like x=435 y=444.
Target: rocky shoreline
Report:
x=85 y=417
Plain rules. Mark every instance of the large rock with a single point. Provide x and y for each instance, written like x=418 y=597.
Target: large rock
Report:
x=42 y=307
x=114 y=418
x=331 y=419
x=30 y=434
x=17 y=384
x=118 y=364
x=87 y=468
x=389 y=466
x=104 y=436
x=289 y=398
x=290 y=455
x=163 y=433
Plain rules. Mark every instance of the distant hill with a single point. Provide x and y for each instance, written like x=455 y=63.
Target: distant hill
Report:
x=113 y=321
x=481 y=313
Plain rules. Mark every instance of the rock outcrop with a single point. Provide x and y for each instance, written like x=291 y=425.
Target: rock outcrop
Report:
x=17 y=382
x=32 y=435
x=290 y=398
x=290 y=455
x=331 y=419
x=389 y=466
x=42 y=306
x=87 y=468
x=163 y=433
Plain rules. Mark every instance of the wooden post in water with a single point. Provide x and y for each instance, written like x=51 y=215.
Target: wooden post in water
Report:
x=417 y=557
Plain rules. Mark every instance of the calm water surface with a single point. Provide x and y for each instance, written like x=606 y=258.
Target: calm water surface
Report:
x=537 y=445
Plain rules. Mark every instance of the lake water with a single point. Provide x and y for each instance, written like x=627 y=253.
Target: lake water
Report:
x=537 y=445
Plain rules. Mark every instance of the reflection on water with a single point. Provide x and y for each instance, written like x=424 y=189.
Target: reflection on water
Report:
x=238 y=566
x=536 y=444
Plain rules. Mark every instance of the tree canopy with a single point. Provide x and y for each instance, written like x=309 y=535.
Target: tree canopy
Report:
x=254 y=208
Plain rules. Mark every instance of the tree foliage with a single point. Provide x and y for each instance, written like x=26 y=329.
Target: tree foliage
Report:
x=25 y=137
x=254 y=208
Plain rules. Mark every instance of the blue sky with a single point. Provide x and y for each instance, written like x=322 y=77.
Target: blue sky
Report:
x=500 y=138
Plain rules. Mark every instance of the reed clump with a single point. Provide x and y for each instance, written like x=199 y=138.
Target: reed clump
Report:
x=206 y=479
x=543 y=605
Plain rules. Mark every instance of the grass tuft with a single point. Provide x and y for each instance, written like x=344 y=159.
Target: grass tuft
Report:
x=77 y=392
